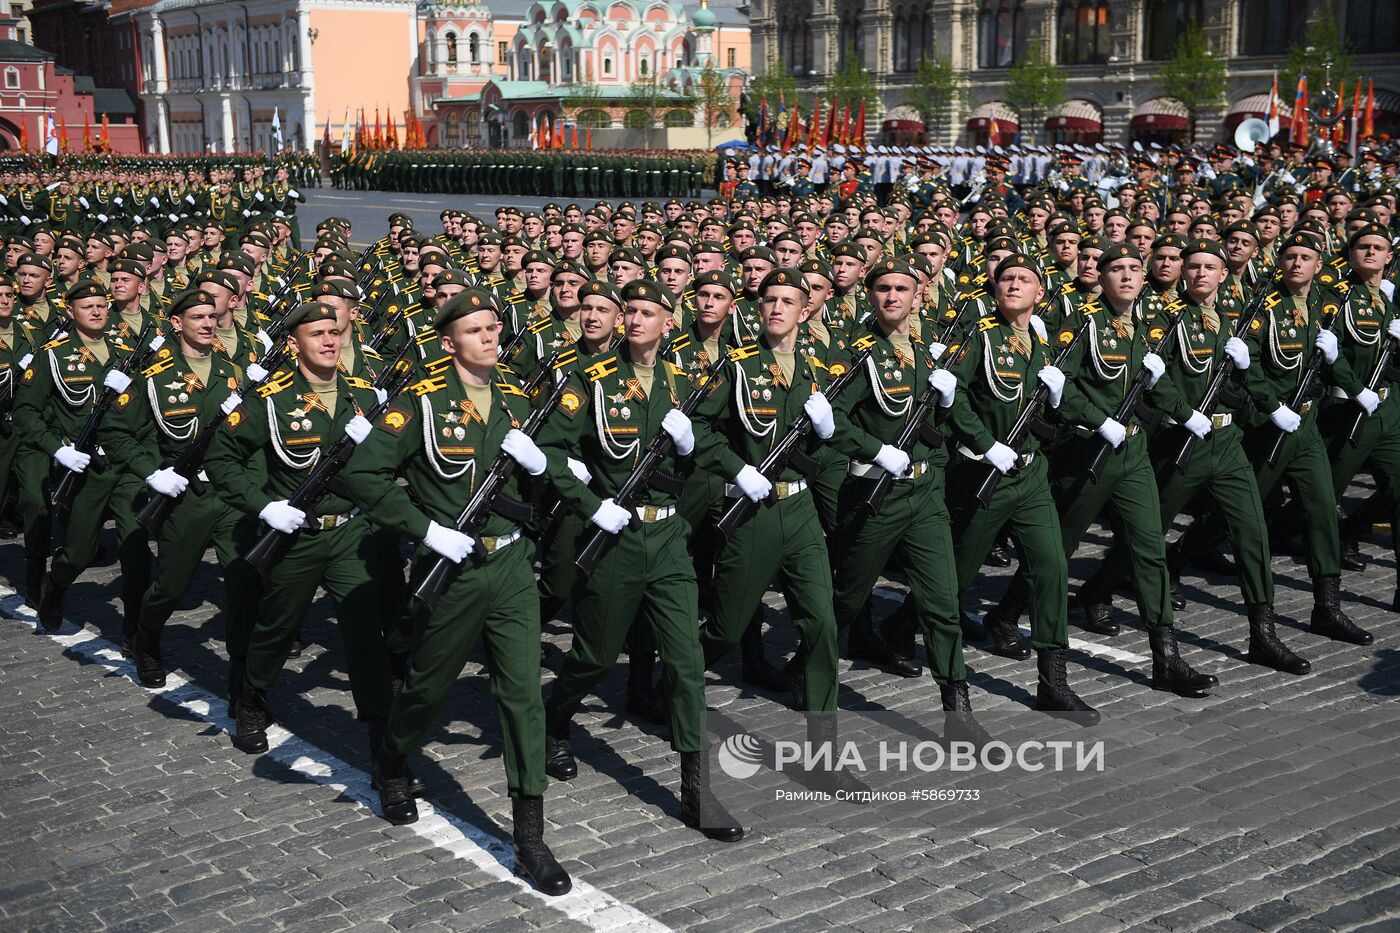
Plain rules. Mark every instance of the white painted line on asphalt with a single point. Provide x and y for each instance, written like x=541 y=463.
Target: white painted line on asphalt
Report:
x=482 y=848
x=1078 y=644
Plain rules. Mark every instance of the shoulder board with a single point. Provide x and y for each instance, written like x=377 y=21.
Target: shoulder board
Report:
x=124 y=347
x=425 y=336
x=276 y=384
x=974 y=294
x=515 y=299
x=355 y=382
x=372 y=354
x=864 y=343
x=1068 y=287
x=158 y=368
x=675 y=370
x=1090 y=306
x=505 y=369
x=987 y=323
x=602 y=368
x=510 y=388
x=745 y=352
x=52 y=344
x=427 y=386
x=1342 y=288
x=565 y=358
x=438 y=366
x=1175 y=305
x=679 y=344
x=981 y=279
x=542 y=324
x=1273 y=301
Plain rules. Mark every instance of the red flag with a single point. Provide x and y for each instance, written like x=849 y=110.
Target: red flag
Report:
x=24 y=135
x=1368 y=118
x=829 y=136
x=104 y=139
x=844 y=135
x=391 y=136
x=993 y=131
x=1298 y=132
x=588 y=139
x=559 y=136
x=860 y=124
x=87 y=133
x=1338 y=132
x=378 y=140
x=816 y=121
x=574 y=143
x=62 y=135
x=793 y=123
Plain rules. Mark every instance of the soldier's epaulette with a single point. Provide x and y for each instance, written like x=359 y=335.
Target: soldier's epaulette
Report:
x=276 y=384
x=679 y=344
x=515 y=299
x=565 y=358
x=1173 y=306
x=355 y=382
x=1068 y=287
x=371 y=353
x=864 y=343
x=505 y=369
x=601 y=368
x=1090 y=306
x=675 y=370
x=974 y=294
x=987 y=323
x=745 y=352
x=542 y=324
x=158 y=368
x=1273 y=300
x=124 y=347
x=510 y=388
x=1342 y=288
x=438 y=366
x=56 y=342
x=429 y=385
x=425 y=336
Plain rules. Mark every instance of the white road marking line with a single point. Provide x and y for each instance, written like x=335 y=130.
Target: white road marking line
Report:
x=1078 y=644
x=482 y=848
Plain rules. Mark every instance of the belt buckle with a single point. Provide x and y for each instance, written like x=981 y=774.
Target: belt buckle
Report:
x=649 y=514
x=1383 y=392
x=327 y=522
x=1217 y=421
x=489 y=543
x=1304 y=408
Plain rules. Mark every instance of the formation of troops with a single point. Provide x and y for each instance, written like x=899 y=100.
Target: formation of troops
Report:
x=641 y=416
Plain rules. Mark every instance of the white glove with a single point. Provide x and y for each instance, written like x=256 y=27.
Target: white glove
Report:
x=358 y=429
x=678 y=426
x=259 y=195
x=1327 y=342
x=293 y=193
x=24 y=218
x=281 y=515
x=1155 y=365
x=1393 y=328
x=522 y=450
x=138 y=218
x=116 y=380
x=84 y=202
x=936 y=350
x=1286 y=419
x=380 y=395
x=257 y=373
x=72 y=458
x=449 y=542
x=892 y=460
x=189 y=198
x=1038 y=325
x=819 y=410
x=611 y=517
x=1238 y=353
x=264 y=339
x=580 y=471
x=1001 y=457
x=102 y=217
x=117 y=201
x=946 y=384
x=1113 y=432
x=154 y=202
x=753 y=483
x=1368 y=400
x=25 y=360
x=1054 y=380
x=167 y=482
x=1198 y=424
x=230 y=403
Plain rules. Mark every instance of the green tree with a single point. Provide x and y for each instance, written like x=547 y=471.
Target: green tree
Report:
x=1194 y=75
x=937 y=92
x=1322 y=43
x=1035 y=87
x=588 y=106
x=644 y=101
x=715 y=101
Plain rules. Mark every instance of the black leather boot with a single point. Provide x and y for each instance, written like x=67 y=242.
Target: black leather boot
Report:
x=1098 y=612
x=821 y=732
x=150 y=668
x=897 y=632
x=1351 y=542
x=699 y=808
x=756 y=671
x=251 y=722
x=1000 y=554
x=559 y=760
x=796 y=679
x=1005 y=636
x=1266 y=648
x=643 y=699
x=391 y=779
x=1329 y=619
x=532 y=857
x=51 y=604
x=377 y=731
x=863 y=643
x=34 y=568
x=1169 y=671
x=1053 y=692
x=1175 y=564
x=958 y=724
x=236 y=669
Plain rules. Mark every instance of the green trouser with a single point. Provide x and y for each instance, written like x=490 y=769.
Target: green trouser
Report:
x=108 y=492
x=32 y=471
x=701 y=504
x=1127 y=491
x=9 y=477
x=785 y=536
x=826 y=488
x=345 y=561
x=198 y=519
x=1021 y=502
x=1378 y=445
x=496 y=599
x=1302 y=463
x=913 y=520
x=646 y=575
x=396 y=615
x=558 y=549
x=1219 y=468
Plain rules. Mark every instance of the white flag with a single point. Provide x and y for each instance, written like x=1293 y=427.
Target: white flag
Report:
x=50 y=137
x=276 y=129
x=1273 y=109
x=345 y=134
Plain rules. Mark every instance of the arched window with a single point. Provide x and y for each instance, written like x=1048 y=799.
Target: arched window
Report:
x=451 y=48
x=850 y=32
x=642 y=67
x=1167 y=20
x=1269 y=27
x=520 y=127
x=452 y=129
x=1373 y=25
x=913 y=36
x=474 y=47
x=1083 y=32
x=607 y=66
x=1001 y=33
x=12 y=77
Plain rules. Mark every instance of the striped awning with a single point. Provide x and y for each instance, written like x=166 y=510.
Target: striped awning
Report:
x=1387 y=101
x=1257 y=105
x=1075 y=115
x=1165 y=113
x=1007 y=120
